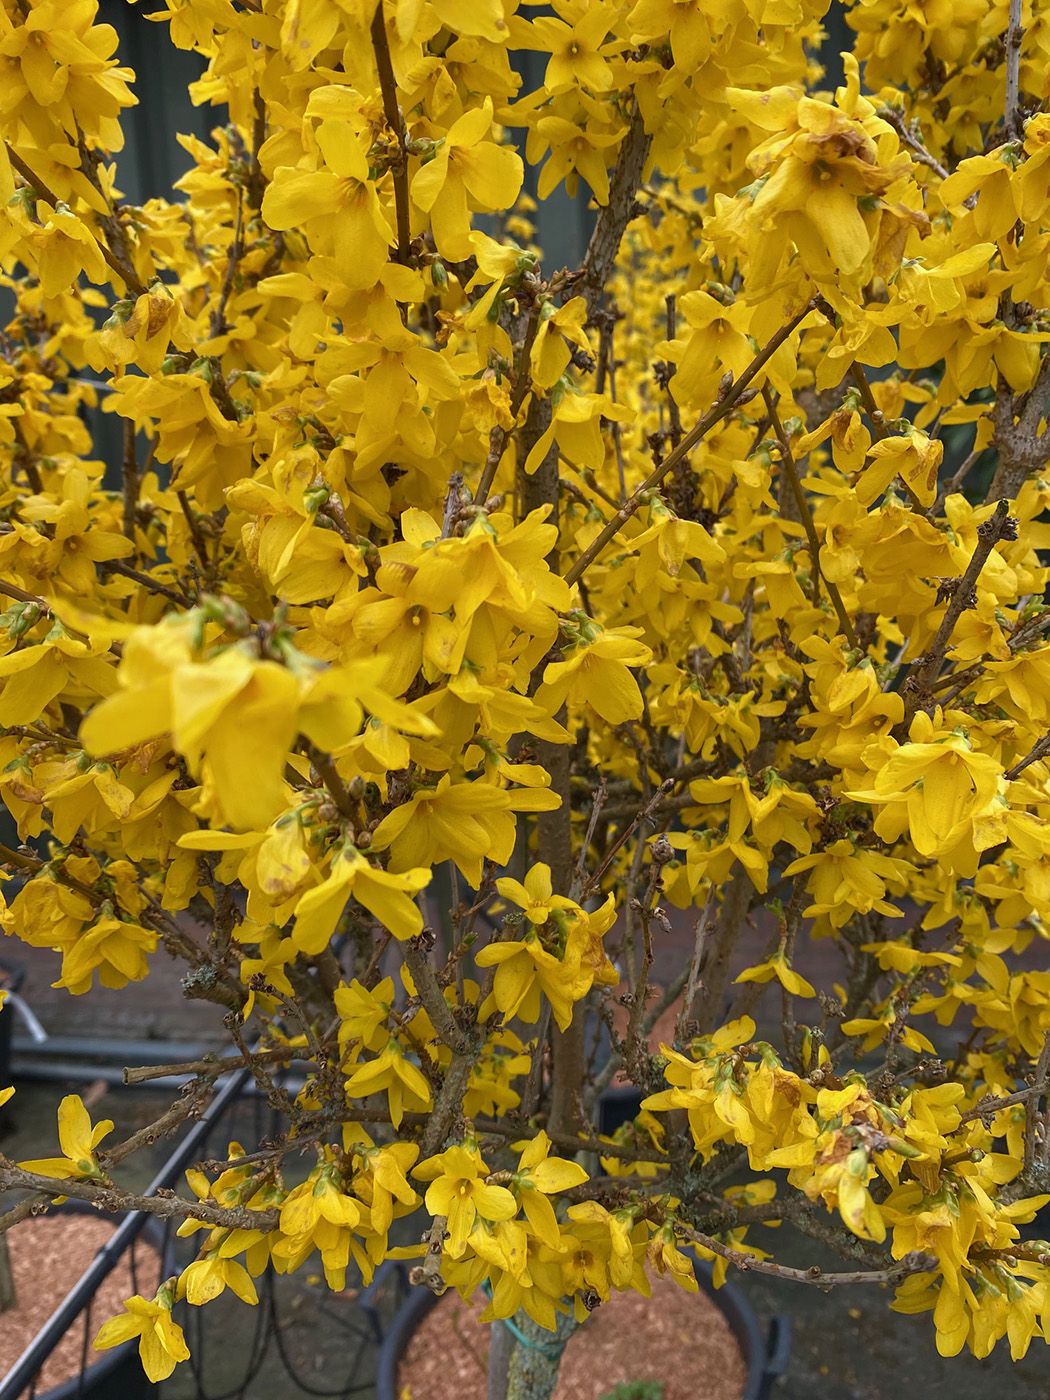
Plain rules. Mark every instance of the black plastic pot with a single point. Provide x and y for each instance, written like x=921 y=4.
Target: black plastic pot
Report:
x=766 y=1354
x=116 y=1374
x=619 y=1104
x=11 y=978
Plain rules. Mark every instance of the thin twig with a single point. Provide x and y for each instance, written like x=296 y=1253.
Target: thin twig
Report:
x=396 y=122
x=912 y=140
x=787 y=461
x=988 y=536
x=914 y=1263
x=1012 y=45
x=644 y=814
x=131 y=480
x=703 y=923
x=1039 y=750
x=1036 y=1124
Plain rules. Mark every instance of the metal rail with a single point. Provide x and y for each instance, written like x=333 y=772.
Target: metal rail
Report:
x=27 y=1367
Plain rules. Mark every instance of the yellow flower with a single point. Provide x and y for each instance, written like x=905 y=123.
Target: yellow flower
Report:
x=595 y=673
x=665 y=1256
x=535 y=897
x=912 y=456
x=387 y=896
x=161 y=1342
x=936 y=787
x=115 y=948
x=209 y=1277
x=458 y=1191
x=467 y=170
x=537 y=963
x=815 y=169
x=538 y=1176
x=558 y=328
x=385 y=1181
x=59 y=77
x=78 y=1140
x=234 y=714
x=392 y=1072
x=778 y=967
x=320 y=1215
x=336 y=207
x=467 y=822
x=578 y=52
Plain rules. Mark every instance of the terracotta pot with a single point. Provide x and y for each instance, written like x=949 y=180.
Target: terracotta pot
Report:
x=110 y=1375
x=765 y=1355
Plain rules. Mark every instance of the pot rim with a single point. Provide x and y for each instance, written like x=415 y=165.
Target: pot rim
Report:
x=765 y=1355
x=105 y=1363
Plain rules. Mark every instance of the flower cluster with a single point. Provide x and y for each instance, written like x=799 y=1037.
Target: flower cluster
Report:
x=450 y=619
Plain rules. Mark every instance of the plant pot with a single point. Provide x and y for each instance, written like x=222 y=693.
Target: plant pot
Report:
x=109 y=1375
x=765 y=1354
x=619 y=1104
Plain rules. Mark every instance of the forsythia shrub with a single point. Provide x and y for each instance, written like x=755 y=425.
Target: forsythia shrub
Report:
x=449 y=614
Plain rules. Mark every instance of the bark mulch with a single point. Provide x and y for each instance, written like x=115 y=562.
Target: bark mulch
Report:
x=677 y=1338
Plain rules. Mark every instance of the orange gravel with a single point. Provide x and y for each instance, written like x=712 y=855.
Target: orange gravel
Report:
x=48 y=1254
x=675 y=1337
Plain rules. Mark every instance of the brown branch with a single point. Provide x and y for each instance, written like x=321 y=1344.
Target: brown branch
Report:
x=200 y=545
x=236 y=250
x=736 y=903
x=989 y=534
x=210 y=1067
x=644 y=814
x=29 y=863
x=914 y=1263
x=1022 y=449
x=1012 y=46
x=613 y=217
x=991 y=1105
x=1039 y=750
x=912 y=140
x=787 y=461
x=634 y=1046
x=954 y=483
x=188 y=1105
x=396 y=122
x=428 y=989
x=1037 y=1120
x=692 y=986
x=11 y=590
x=429 y=1273
x=131 y=480
x=500 y=436
x=111 y=1198
x=152 y=585
x=327 y=772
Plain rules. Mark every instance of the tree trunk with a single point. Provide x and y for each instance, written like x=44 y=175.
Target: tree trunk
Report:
x=501 y=1347
x=535 y=1363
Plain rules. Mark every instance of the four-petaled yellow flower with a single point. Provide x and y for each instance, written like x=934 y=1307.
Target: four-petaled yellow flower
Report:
x=161 y=1342
x=460 y=1192
x=78 y=1140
